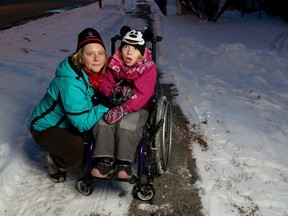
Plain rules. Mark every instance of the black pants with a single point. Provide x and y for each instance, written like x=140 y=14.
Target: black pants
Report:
x=65 y=145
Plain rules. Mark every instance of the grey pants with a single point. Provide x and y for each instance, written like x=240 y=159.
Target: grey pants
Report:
x=121 y=139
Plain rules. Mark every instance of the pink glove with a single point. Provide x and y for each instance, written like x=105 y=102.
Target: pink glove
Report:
x=117 y=89
x=114 y=115
x=127 y=92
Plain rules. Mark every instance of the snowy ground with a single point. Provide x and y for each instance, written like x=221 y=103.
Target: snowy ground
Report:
x=232 y=80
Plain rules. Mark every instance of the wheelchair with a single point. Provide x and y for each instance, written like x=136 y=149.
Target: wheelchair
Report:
x=153 y=152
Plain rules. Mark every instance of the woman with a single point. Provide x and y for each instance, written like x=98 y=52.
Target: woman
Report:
x=67 y=110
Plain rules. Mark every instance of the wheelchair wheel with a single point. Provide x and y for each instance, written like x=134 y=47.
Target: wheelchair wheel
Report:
x=163 y=139
x=145 y=192
x=84 y=187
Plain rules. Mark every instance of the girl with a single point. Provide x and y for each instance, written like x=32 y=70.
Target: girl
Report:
x=129 y=82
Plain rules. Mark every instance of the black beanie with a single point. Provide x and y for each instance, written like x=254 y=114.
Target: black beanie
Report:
x=134 y=38
x=89 y=35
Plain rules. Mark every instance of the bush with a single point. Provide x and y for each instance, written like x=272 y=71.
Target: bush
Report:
x=209 y=10
x=276 y=8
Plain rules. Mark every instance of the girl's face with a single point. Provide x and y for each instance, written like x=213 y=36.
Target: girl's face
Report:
x=130 y=55
x=94 y=57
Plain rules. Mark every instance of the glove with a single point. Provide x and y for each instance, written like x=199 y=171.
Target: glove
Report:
x=114 y=115
x=120 y=97
x=98 y=98
x=127 y=92
x=106 y=102
x=117 y=88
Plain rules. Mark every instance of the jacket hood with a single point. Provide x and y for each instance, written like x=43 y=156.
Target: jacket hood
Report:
x=65 y=69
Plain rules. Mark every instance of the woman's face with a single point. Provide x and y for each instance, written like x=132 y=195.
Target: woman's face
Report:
x=94 y=57
x=130 y=55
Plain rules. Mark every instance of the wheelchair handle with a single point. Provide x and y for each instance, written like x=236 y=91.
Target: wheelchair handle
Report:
x=114 y=40
x=156 y=39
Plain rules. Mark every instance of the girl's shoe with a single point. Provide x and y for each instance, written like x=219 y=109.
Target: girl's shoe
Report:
x=55 y=173
x=124 y=172
x=104 y=169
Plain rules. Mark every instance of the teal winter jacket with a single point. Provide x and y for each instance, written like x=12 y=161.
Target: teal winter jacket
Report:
x=67 y=102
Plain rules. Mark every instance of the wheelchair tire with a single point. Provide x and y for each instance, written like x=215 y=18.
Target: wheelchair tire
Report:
x=84 y=187
x=163 y=139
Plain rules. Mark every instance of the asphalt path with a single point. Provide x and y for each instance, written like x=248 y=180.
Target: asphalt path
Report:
x=13 y=13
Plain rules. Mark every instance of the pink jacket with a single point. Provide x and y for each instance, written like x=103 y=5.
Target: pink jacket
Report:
x=142 y=75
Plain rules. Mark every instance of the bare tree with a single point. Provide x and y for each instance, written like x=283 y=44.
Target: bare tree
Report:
x=209 y=10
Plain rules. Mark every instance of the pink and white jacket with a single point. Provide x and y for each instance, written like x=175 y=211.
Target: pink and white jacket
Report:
x=141 y=75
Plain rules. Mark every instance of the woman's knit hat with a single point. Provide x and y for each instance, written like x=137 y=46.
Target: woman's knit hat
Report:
x=89 y=35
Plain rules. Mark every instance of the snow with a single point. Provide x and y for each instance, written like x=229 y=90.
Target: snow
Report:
x=232 y=80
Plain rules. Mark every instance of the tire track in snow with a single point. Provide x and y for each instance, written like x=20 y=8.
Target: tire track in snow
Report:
x=280 y=44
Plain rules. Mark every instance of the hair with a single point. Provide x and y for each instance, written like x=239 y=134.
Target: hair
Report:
x=77 y=59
